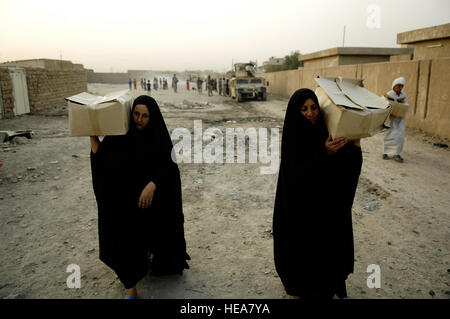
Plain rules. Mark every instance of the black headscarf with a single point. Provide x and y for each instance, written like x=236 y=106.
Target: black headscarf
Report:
x=300 y=221
x=298 y=132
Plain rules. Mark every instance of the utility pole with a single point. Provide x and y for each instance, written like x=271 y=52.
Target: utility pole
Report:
x=343 y=38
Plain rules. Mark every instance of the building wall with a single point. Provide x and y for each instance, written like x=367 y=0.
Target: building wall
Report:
x=111 y=78
x=401 y=57
x=42 y=63
x=285 y=82
x=322 y=62
x=47 y=88
x=26 y=63
x=427 y=87
x=7 y=95
x=436 y=113
x=359 y=59
x=432 y=33
x=58 y=65
x=422 y=50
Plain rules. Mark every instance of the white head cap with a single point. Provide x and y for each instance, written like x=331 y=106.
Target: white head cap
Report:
x=401 y=80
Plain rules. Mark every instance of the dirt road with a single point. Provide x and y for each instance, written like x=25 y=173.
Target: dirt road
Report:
x=48 y=216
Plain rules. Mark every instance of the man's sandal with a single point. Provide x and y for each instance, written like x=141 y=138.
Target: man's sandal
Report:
x=398 y=158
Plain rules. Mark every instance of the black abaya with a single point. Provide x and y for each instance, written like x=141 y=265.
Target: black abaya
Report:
x=312 y=226
x=121 y=168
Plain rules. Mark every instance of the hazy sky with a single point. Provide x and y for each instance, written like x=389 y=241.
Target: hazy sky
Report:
x=207 y=34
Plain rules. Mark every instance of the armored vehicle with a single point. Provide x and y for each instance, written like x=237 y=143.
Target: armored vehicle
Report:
x=244 y=84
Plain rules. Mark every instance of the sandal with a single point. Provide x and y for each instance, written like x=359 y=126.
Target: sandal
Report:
x=129 y=297
x=398 y=158
x=385 y=156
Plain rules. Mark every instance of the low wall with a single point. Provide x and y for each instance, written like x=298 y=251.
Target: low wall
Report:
x=7 y=95
x=49 y=88
x=432 y=49
x=110 y=78
x=427 y=87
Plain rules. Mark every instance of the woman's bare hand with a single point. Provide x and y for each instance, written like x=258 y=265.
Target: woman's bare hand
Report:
x=334 y=145
x=357 y=142
x=146 y=198
x=94 y=143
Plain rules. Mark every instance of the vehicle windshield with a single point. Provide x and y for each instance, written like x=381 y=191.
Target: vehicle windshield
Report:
x=247 y=67
x=255 y=81
x=241 y=81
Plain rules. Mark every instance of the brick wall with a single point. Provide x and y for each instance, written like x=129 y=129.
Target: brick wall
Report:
x=47 y=88
x=7 y=96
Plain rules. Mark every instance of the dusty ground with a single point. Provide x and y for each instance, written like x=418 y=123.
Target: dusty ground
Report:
x=48 y=216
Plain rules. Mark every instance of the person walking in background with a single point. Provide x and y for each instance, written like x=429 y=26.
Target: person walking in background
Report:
x=187 y=84
x=160 y=82
x=199 y=85
x=220 y=86
x=175 y=83
x=227 y=87
x=395 y=136
x=155 y=83
x=224 y=89
x=149 y=86
x=130 y=82
x=134 y=83
x=209 y=85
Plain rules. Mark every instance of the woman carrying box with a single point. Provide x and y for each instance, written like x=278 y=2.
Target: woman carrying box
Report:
x=138 y=191
x=312 y=222
x=395 y=136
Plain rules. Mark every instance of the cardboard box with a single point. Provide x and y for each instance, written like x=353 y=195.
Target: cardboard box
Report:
x=398 y=109
x=93 y=115
x=349 y=109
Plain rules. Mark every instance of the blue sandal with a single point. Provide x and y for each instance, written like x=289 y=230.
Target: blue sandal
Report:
x=129 y=297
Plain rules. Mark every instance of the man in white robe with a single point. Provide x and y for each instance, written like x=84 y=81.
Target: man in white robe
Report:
x=395 y=136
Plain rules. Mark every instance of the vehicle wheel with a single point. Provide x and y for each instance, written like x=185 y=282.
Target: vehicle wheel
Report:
x=239 y=97
x=264 y=96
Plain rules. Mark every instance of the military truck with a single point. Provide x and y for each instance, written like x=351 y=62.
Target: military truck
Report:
x=244 y=84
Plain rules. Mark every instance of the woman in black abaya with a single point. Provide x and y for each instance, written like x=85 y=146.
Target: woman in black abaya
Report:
x=138 y=191
x=312 y=222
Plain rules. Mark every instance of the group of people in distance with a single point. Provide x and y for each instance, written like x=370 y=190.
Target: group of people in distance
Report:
x=220 y=85
x=146 y=84
x=137 y=186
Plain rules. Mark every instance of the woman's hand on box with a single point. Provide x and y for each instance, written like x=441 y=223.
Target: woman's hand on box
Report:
x=334 y=145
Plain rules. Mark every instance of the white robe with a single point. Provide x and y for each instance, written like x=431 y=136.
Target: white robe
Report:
x=395 y=136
